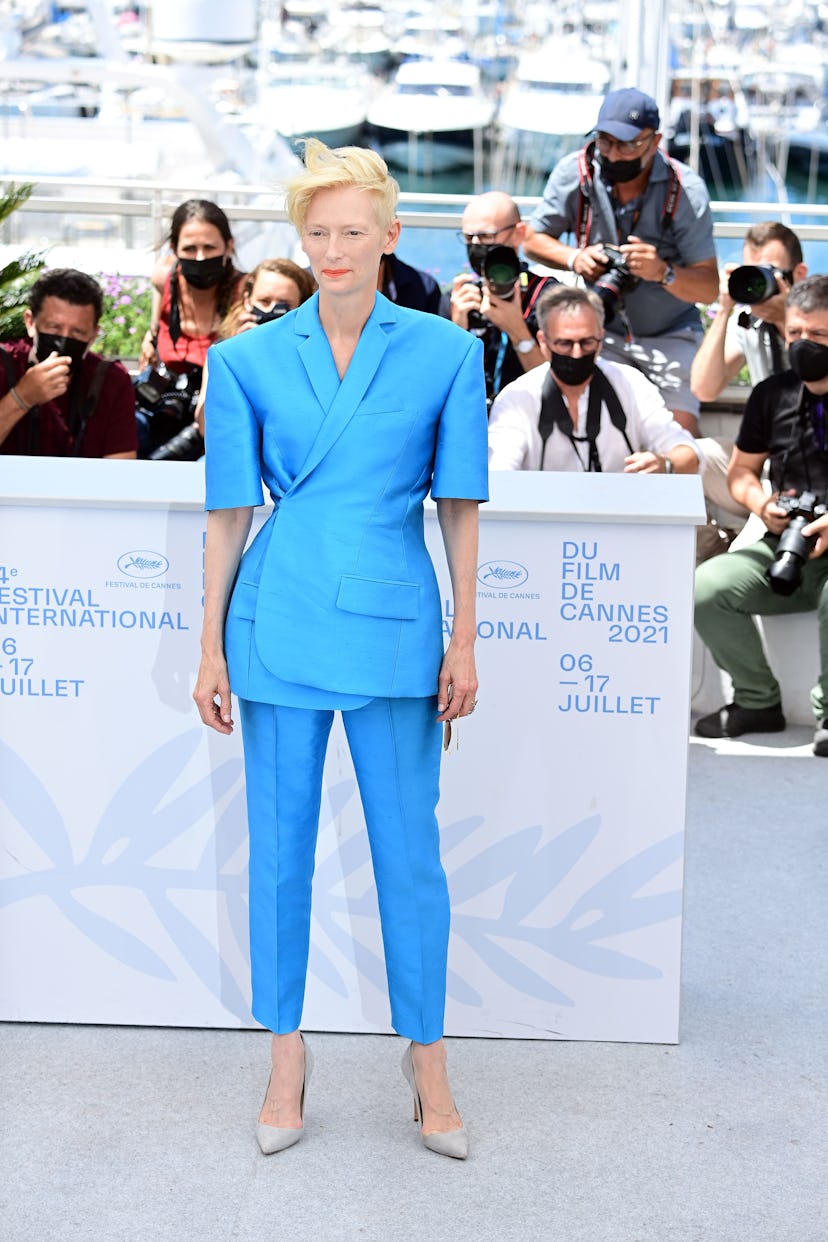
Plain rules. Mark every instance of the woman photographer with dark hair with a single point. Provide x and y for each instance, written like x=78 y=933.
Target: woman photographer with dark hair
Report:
x=196 y=285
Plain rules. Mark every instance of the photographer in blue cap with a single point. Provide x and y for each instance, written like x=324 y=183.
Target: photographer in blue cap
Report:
x=641 y=235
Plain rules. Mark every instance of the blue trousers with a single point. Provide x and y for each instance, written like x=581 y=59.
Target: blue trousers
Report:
x=395 y=745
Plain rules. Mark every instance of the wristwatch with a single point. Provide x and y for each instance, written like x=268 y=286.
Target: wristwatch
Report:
x=526 y=347
x=669 y=275
x=669 y=467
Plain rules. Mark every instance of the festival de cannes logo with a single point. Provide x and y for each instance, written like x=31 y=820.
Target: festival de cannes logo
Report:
x=143 y=564
x=502 y=573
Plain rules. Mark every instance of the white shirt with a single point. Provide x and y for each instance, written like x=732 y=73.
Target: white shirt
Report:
x=515 y=442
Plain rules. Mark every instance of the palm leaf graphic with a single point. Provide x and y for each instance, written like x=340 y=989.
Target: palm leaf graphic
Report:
x=32 y=806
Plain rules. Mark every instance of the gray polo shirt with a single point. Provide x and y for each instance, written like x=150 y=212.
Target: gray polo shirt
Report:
x=687 y=239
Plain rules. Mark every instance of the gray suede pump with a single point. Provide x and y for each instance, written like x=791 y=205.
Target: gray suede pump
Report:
x=453 y=1143
x=277 y=1138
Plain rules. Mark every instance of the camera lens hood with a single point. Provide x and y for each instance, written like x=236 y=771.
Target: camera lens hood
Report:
x=755 y=282
x=501 y=267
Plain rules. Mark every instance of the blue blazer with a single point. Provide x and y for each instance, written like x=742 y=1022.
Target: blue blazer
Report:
x=337 y=592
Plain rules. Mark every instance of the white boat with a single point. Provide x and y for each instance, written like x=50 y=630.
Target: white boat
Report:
x=549 y=107
x=317 y=99
x=433 y=116
x=708 y=126
x=780 y=93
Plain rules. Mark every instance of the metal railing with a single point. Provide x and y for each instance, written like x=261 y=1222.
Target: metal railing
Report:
x=136 y=213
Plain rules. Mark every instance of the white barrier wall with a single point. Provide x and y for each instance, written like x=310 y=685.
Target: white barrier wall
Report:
x=122 y=821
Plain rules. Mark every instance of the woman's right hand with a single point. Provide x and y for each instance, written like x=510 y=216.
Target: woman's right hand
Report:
x=212 y=683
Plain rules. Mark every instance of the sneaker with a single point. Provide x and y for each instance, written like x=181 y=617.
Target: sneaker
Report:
x=733 y=721
x=821 y=739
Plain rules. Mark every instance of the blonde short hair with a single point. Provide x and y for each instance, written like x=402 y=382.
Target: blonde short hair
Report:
x=329 y=167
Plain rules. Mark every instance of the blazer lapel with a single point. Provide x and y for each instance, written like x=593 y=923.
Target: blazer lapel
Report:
x=361 y=371
x=315 y=353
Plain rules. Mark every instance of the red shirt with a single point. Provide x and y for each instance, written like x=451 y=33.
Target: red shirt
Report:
x=189 y=350
x=44 y=431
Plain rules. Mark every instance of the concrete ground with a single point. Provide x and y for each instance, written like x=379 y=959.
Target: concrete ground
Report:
x=114 y=1133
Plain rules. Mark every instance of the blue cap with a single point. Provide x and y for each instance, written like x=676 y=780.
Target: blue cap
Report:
x=626 y=112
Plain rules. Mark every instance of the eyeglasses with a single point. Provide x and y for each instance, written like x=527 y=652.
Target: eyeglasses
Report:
x=485 y=239
x=562 y=345
x=604 y=143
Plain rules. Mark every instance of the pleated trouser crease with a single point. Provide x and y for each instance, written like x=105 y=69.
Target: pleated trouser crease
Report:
x=395 y=746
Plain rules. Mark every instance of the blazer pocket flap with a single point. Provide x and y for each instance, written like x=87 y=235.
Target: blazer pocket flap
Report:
x=374 y=597
x=243 y=602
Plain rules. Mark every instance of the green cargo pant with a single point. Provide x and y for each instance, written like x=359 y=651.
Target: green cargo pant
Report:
x=730 y=591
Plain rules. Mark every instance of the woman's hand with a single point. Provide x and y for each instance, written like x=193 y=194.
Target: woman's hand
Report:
x=457 y=684
x=149 y=353
x=213 y=683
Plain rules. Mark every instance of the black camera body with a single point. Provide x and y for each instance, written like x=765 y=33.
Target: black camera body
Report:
x=617 y=280
x=169 y=399
x=785 y=572
x=755 y=282
x=277 y=310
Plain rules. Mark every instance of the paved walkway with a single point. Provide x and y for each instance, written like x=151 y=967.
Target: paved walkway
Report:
x=131 y=1134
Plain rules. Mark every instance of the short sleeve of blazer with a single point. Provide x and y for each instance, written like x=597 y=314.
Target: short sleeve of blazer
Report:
x=461 y=460
x=233 y=441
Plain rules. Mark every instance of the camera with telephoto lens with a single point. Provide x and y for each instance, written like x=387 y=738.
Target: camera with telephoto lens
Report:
x=792 y=551
x=501 y=271
x=755 y=282
x=188 y=445
x=617 y=280
x=168 y=399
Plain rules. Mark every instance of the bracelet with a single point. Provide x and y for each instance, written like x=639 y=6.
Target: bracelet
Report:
x=24 y=407
x=669 y=466
x=570 y=263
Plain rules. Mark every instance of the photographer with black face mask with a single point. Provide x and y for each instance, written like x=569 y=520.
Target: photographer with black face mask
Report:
x=786 y=423
x=196 y=285
x=641 y=233
x=497 y=299
x=57 y=398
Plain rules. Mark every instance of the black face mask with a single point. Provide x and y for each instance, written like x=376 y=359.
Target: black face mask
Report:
x=477 y=252
x=48 y=343
x=809 y=360
x=276 y=311
x=203 y=273
x=571 y=370
x=621 y=170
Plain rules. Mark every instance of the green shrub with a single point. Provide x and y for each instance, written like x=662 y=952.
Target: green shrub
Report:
x=127 y=308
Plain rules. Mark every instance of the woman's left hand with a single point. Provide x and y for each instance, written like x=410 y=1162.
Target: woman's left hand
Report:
x=457 y=685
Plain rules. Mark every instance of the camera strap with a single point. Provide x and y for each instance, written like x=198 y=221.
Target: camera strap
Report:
x=586 y=186
x=175 y=312
x=554 y=413
x=81 y=408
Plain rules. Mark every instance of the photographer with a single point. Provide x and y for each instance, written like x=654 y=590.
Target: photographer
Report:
x=755 y=337
x=786 y=571
x=502 y=315
x=196 y=285
x=58 y=398
x=579 y=412
x=622 y=191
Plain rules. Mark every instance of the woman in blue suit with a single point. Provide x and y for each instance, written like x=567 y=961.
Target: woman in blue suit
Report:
x=350 y=409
